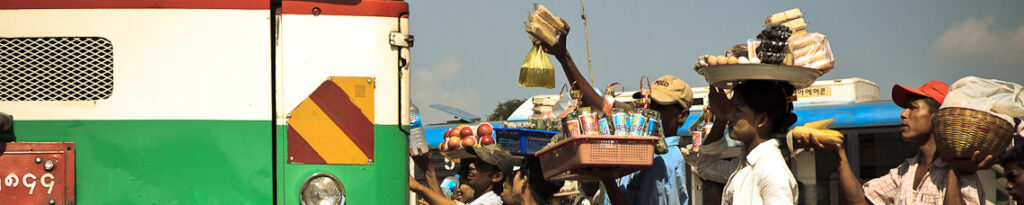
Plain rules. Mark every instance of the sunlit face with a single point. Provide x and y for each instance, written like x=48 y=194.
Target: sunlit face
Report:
x=743 y=121
x=477 y=178
x=916 y=121
x=672 y=116
x=1015 y=181
x=514 y=189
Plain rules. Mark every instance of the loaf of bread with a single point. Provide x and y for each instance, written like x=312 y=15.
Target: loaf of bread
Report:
x=540 y=31
x=784 y=16
x=548 y=17
x=796 y=24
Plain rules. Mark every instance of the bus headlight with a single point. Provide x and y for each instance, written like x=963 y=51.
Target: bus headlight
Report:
x=322 y=189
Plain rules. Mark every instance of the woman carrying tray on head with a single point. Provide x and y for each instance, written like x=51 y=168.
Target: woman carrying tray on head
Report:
x=758 y=111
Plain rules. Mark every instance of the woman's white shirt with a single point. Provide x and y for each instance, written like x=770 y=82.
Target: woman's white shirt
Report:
x=760 y=177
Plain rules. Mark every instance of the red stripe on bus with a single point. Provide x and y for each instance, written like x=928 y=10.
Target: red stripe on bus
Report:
x=135 y=4
x=300 y=151
x=347 y=7
x=335 y=103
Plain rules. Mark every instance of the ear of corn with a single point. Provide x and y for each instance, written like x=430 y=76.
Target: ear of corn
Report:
x=818 y=130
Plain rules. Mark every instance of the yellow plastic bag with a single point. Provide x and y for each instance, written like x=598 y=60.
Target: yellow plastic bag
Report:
x=537 y=70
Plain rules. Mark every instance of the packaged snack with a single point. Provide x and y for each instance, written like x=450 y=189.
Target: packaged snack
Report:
x=637 y=122
x=784 y=16
x=548 y=17
x=812 y=50
x=653 y=123
x=620 y=120
x=572 y=124
x=542 y=32
x=602 y=124
x=588 y=122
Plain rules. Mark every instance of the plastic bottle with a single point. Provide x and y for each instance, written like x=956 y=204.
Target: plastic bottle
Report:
x=417 y=141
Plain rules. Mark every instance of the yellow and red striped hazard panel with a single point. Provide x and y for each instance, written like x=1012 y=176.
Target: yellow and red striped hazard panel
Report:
x=334 y=125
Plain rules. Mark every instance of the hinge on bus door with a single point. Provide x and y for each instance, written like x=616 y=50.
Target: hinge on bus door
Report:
x=401 y=40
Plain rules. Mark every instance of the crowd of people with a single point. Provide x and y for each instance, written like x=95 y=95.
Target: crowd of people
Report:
x=757 y=113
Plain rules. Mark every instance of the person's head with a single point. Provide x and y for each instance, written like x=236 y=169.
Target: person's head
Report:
x=529 y=181
x=1013 y=163
x=483 y=173
x=761 y=109
x=918 y=106
x=671 y=97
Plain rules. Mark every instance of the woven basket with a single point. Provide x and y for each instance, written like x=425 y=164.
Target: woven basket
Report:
x=960 y=131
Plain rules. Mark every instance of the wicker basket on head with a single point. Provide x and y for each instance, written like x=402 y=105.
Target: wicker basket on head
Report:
x=960 y=131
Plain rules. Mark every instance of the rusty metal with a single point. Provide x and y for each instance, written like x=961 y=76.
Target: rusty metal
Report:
x=25 y=180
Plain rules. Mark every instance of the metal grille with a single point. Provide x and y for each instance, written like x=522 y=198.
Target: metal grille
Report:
x=56 y=69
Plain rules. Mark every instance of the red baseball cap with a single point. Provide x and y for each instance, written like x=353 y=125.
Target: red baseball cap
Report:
x=932 y=89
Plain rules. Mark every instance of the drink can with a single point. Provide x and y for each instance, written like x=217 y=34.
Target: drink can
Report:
x=588 y=123
x=602 y=125
x=653 y=123
x=620 y=121
x=698 y=137
x=636 y=122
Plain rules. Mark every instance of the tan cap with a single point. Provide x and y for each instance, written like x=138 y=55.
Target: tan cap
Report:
x=669 y=90
x=495 y=155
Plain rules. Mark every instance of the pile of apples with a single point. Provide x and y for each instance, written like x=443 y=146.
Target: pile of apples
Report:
x=463 y=136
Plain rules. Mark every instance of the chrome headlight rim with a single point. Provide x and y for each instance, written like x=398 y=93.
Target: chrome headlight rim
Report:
x=306 y=183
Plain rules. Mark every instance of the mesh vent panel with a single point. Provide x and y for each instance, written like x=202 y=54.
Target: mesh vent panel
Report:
x=56 y=69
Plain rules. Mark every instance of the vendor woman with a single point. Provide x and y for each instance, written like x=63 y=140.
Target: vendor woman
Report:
x=665 y=181
x=758 y=111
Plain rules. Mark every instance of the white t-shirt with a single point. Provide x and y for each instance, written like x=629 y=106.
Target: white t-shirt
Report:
x=488 y=198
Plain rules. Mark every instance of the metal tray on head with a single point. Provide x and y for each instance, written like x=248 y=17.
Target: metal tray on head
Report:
x=727 y=76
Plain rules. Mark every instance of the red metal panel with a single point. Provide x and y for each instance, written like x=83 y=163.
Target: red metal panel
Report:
x=37 y=173
x=135 y=4
x=346 y=7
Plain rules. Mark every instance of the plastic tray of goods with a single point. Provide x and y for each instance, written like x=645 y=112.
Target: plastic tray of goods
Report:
x=727 y=76
x=523 y=141
x=578 y=158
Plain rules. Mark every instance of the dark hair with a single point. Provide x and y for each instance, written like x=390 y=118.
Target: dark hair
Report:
x=496 y=187
x=1015 y=155
x=543 y=190
x=933 y=106
x=771 y=98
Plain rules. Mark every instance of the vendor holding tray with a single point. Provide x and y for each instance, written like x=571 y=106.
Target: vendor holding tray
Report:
x=665 y=181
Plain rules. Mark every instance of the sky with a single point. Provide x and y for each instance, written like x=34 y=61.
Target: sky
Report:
x=468 y=53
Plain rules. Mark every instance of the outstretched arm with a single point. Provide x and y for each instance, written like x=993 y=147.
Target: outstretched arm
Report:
x=434 y=198
x=561 y=53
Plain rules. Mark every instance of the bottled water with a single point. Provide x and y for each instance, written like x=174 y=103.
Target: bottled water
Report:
x=417 y=141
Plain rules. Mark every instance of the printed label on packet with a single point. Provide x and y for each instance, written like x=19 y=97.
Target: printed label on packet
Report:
x=697 y=140
x=589 y=127
x=636 y=124
x=621 y=123
x=574 y=127
x=652 y=128
x=603 y=126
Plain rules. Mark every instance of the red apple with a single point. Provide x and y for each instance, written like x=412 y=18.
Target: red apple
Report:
x=454 y=132
x=454 y=143
x=469 y=141
x=486 y=140
x=447 y=133
x=484 y=129
x=444 y=145
x=466 y=132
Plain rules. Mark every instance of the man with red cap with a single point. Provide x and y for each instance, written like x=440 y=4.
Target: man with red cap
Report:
x=922 y=179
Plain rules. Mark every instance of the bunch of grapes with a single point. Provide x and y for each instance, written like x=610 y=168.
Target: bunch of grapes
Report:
x=773 y=44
